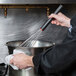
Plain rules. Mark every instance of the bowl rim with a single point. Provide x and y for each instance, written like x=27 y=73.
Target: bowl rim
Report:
x=9 y=42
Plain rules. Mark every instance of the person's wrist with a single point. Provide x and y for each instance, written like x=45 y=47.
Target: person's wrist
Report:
x=68 y=22
x=30 y=61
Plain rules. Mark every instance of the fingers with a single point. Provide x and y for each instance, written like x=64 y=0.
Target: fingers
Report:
x=11 y=61
x=60 y=13
x=21 y=67
x=17 y=66
x=53 y=16
x=55 y=22
x=55 y=19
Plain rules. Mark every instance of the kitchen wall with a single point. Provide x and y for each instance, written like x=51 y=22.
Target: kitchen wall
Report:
x=20 y=25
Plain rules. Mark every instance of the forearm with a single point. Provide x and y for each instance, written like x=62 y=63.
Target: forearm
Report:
x=68 y=22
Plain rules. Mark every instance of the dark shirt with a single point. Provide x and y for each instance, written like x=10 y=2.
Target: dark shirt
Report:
x=61 y=59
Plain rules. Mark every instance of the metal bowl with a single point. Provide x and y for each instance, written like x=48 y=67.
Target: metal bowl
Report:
x=34 y=47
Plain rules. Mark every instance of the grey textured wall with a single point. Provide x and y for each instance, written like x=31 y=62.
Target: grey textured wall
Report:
x=20 y=25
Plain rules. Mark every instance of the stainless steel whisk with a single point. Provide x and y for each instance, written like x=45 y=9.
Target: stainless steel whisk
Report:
x=42 y=28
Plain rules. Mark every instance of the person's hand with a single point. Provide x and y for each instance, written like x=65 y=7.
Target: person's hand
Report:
x=22 y=61
x=60 y=19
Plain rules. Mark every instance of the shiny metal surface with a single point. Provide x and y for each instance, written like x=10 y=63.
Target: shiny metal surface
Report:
x=35 y=1
x=23 y=72
x=37 y=43
x=38 y=47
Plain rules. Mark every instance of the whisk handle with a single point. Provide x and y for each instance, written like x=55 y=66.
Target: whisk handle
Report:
x=49 y=20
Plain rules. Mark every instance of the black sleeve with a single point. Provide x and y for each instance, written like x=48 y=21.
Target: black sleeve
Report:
x=59 y=58
x=73 y=23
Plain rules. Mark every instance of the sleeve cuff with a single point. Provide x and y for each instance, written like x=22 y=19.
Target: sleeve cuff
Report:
x=70 y=28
